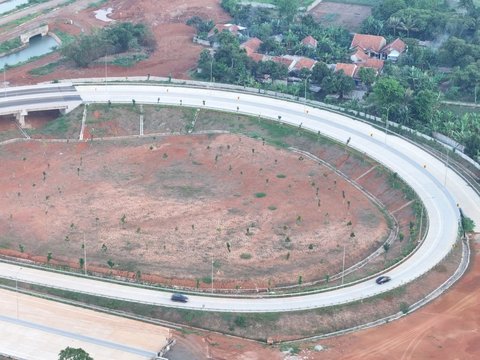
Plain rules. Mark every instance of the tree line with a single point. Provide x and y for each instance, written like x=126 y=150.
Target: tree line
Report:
x=115 y=39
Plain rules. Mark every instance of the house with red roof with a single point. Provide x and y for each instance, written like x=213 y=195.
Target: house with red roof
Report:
x=252 y=45
x=373 y=46
x=284 y=60
x=359 y=56
x=394 y=49
x=232 y=28
x=375 y=64
x=309 y=41
x=303 y=63
x=294 y=63
x=348 y=69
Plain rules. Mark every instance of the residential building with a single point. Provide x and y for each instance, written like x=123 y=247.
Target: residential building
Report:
x=309 y=41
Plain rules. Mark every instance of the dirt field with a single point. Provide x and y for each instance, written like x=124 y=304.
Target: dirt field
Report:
x=175 y=56
x=346 y=15
x=250 y=207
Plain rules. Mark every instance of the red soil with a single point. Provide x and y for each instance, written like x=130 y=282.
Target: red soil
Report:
x=175 y=55
x=447 y=328
x=189 y=195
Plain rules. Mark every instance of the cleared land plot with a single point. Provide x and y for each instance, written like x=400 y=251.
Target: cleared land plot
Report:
x=348 y=15
x=267 y=215
x=8 y=129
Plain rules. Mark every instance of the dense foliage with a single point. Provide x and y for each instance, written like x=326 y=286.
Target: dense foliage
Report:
x=442 y=61
x=70 y=353
x=115 y=39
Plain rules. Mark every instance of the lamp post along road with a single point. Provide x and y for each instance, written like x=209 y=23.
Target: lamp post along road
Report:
x=306 y=81
x=84 y=256
x=386 y=123
x=4 y=81
x=446 y=162
x=16 y=286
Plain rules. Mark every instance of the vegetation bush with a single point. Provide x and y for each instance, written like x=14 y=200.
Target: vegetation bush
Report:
x=115 y=39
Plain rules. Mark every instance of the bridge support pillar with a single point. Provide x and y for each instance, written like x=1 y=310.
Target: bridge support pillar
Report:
x=20 y=116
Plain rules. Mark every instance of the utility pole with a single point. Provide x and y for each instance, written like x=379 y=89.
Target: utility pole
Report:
x=16 y=287
x=386 y=124
x=211 y=70
x=106 y=70
x=420 y=229
x=306 y=81
x=84 y=255
x=4 y=81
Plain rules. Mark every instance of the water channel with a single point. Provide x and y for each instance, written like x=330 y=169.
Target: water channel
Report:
x=39 y=45
x=9 y=5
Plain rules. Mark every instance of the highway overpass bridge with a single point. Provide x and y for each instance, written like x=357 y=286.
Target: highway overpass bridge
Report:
x=20 y=101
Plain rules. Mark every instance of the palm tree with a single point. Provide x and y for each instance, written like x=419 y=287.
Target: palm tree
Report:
x=409 y=23
x=394 y=23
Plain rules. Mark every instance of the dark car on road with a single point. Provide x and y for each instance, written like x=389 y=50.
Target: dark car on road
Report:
x=179 y=298
x=382 y=279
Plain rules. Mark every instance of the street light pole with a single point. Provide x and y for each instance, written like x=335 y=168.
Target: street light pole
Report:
x=106 y=70
x=386 y=123
x=84 y=256
x=4 y=81
x=446 y=163
x=306 y=81
x=211 y=70
x=16 y=286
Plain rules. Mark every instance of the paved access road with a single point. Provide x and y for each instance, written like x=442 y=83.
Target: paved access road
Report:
x=38 y=329
x=424 y=173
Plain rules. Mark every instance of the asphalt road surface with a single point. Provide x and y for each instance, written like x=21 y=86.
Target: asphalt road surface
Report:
x=420 y=170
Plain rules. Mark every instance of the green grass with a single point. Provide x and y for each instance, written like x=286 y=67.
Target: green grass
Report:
x=20 y=21
x=96 y=4
x=301 y=2
x=10 y=45
x=459 y=109
x=46 y=69
x=260 y=195
x=128 y=60
x=64 y=37
x=281 y=176
x=245 y=256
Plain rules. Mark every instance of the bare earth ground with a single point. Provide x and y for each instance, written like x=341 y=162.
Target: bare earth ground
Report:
x=175 y=55
x=348 y=16
x=189 y=195
x=443 y=334
x=447 y=328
